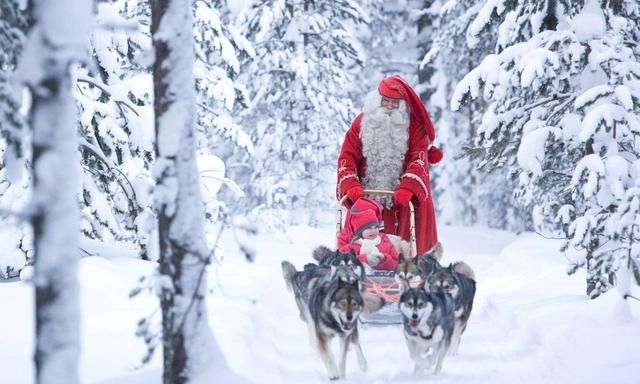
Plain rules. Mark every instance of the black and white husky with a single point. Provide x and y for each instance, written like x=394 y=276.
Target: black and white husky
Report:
x=428 y=326
x=458 y=280
x=334 y=259
x=329 y=299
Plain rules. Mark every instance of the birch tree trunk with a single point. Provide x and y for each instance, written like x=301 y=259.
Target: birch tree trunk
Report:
x=184 y=256
x=59 y=38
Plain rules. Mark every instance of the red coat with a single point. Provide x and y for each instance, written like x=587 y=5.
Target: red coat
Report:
x=352 y=168
x=388 y=262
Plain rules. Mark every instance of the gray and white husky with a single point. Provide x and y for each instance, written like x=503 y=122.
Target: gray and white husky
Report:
x=330 y=302
x=458 y=280
x=414 y=271
x=428 y=322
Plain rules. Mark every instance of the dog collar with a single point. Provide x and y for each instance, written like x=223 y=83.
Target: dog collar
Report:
x=422 y=336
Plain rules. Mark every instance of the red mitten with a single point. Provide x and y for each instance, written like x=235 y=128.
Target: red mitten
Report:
x=402 y=196
x=355 y=193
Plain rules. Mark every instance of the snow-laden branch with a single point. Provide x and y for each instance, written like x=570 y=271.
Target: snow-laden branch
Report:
x=97 y=152
x=106 y=89
x=226 y=181
x=118 y=24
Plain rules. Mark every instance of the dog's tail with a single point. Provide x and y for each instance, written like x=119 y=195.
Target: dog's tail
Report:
x=437 y=251
x=288 y=272
x=372 y=303
x=465 y=269
x=321 y=253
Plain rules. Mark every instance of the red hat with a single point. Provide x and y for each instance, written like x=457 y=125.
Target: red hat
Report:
x=365 y=203
x=396 y=88
x=362 y=220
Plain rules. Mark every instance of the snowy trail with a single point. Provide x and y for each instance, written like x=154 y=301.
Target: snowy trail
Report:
x=521 y=329
x=530 y=324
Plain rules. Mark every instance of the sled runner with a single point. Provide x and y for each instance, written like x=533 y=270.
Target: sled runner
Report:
x=382 y=283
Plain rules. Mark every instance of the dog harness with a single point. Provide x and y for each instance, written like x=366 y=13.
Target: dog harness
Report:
x=418 y=333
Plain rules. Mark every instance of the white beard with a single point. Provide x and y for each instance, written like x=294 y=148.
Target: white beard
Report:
x=384 y=135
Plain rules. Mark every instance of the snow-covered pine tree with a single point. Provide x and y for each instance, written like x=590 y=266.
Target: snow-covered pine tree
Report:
x=446 y=58
x=563 y=116
x=428 y=24
x=389 y=43
x=220 y=50
x=464 y=192
x=187 y=340
x=15 y=244
x=222 y=96
x=114 y=95
x=300 y=109
x=14 y=24
x=56 y=42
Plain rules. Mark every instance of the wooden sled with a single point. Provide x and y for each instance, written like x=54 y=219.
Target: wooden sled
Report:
x=381 y=283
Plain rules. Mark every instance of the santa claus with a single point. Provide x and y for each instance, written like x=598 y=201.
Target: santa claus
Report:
x=390 y=146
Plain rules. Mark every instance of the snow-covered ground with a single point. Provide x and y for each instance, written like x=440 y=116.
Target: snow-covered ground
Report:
x=531 y=322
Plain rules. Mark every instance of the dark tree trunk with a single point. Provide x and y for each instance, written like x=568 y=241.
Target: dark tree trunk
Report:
x=174 y=354
x=550 y=21
x=183 y=254
x=425 y=27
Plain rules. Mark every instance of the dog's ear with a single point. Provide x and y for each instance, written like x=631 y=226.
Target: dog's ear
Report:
x=450 y=268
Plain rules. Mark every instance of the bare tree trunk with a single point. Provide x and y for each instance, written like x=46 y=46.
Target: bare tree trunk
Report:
x=183 y=251
x=550 y=21
x=473 y=181
x=54 y=44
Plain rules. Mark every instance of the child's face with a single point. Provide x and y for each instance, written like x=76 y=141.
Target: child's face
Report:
x=370 y=233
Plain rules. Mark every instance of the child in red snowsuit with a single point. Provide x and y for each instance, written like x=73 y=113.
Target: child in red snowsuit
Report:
x=363 y=228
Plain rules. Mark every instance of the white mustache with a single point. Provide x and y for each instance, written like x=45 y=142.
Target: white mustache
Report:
x=386 y=116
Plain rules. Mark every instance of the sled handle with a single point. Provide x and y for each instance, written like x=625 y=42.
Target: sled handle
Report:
x=412 y=218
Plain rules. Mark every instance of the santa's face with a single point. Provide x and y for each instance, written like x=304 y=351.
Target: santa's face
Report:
x=389 y=103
